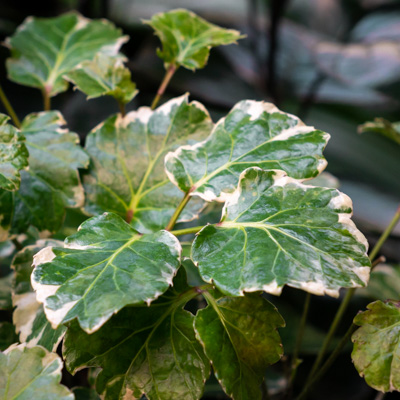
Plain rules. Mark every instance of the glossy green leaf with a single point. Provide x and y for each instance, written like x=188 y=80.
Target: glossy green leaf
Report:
x=252 y=134
x=105 y=266
x=144 y=350
x=29 y=318
x=52 y=181
x=376 y=352
x=102 y=76
x=31 y=373
x=276 y=231
x=43 y=50
x=240 y=337
x=5 y=292
x=13 y=155
x=389 y=129
x=187 y=39
x=84 y=393
x=127 y=174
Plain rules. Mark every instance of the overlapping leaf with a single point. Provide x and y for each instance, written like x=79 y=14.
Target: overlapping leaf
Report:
x=5 y=292
x=105 y=266
x=127 y=174
x=7 y=335
x=376 y=352
x=104 y=75
x=240 y=337
x=28 y=317
x=151 y=351
x=43 y=50
x=52 y=181
x=13 y=155
x=187 y=39
x=389 y=129
x=252 y=134
x=31 y=373
x=276 y=231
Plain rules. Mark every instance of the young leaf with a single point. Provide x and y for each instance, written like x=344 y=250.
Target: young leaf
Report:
x=252 y=134
x=104 y=75
x=127 y=174
x=276 y=231
x=389 y=129
x=240 y=338
x=376 y=345
x=52 y=181
x=29 y=318
x=187 y=39
x=13 y=155
x=144 y=350
x=43 y=50
x=105 y=266
x=31 y=373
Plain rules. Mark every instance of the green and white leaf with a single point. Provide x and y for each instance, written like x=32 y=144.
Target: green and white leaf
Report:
x=376 y=352
x=240 y=337
x=43 y=50
x=105 y=266
x=144 y=350
x=13 y=155
x=5 y=292
x=127 y=174
x=253 y=134
x=29 y=318
x=187 y=39
x=275 y=231
x=52 y=182
x=31 y=373
x=102 y=76
x=386 y=128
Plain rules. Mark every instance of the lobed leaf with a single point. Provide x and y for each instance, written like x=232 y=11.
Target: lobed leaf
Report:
x=380 y=125
x=13 y=155
x=105 y=266
x=240 y=337
x=276 y=231
x=29 y=318
x=52 y=182
x=31 y=373
x=187 y=39
x=127 y=174
x=151 y=351
x=376 y=345
x=253 y=134
x=105 y=75
x=43 y=50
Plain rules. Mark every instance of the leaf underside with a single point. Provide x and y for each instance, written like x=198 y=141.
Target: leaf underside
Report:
x=276 y=231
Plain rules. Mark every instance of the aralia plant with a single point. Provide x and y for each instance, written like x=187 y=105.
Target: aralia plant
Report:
x=115 y=292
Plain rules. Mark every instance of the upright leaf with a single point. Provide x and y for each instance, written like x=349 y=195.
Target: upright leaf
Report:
x=43 y=50
x=104 y=75
x=144 y=350
x=31 y=373
x=376 y=352
x=105 y=266
x=389 y=129
x=276 y=231
x=127 y=174
x=187 y=39
x=52 y=181
x=252 y=134
x=13 y=155
x=29 y=318
x=240 y=338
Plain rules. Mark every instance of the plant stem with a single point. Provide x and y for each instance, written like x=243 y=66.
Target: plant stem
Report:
x=187 y=231
x=178 y=211
x=380 y=396
x=46 y=99
x=9 y=108
x=299 y=338
x=346 y=300
x=122 y=109
x=167 y=77
x=328 y=363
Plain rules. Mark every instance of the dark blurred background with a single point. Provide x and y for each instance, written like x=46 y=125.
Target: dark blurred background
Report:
x=336 y=64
